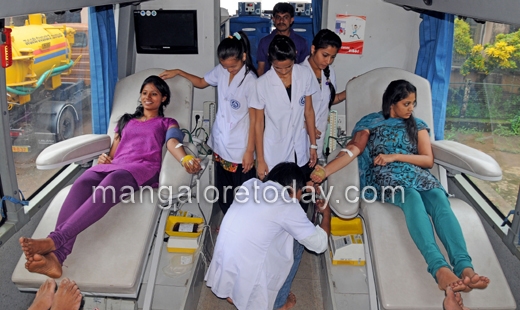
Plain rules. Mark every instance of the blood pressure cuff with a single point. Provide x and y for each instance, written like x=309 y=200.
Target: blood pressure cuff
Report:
x=360 y=140
x=174 y=133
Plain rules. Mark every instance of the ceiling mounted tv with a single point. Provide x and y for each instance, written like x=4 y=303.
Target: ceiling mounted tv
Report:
x=166 y=31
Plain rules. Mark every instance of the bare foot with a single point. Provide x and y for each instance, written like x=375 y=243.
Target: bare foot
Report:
x=44 y=296
x=68 y=296
x=45 y=264
x=291 y=301
x=36 y=246
x=453 y=300
x=230 y=300
x=473 y=280
x=446 y=277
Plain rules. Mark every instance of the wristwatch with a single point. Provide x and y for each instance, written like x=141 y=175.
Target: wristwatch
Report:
x=314 y=146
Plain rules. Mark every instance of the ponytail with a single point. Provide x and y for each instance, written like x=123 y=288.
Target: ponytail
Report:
x=323 y=39
x=332 y=89
x=236 y=46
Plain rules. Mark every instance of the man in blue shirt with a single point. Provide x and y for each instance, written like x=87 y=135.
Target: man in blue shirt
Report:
x=283 y=18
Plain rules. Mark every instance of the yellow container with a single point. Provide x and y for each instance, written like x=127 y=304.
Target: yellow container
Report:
x=183 y=223
x=343 y=227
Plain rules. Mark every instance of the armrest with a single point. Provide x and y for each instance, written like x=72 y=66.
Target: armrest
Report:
x=78 y=149
x=174 y=181
x=347 y=177
x=462 y=158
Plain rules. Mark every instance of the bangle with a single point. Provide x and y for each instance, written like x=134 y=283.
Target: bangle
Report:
x=186 y=159
x=314 y=146
x=348 y=152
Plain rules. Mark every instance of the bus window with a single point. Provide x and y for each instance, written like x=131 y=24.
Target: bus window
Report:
x=483 y=107
x=43 y=111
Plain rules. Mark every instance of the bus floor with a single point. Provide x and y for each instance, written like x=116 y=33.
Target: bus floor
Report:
x=306 y=288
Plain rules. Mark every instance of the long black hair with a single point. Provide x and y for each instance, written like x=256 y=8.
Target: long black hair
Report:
x=323 y=39
x=281 y=48
x=396 y=91
x=236 y=46
x=161 y=86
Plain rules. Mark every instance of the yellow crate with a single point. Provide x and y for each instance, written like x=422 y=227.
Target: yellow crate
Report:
x=172 y=220
x=343 y=227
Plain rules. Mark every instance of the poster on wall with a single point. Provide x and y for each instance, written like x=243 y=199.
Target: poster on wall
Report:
x=351 y=30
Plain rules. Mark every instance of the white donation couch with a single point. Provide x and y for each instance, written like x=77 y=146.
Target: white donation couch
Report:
x=109 y=258
x=400 y=272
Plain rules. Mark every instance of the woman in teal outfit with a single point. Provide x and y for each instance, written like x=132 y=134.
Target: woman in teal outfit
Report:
x=394 y=150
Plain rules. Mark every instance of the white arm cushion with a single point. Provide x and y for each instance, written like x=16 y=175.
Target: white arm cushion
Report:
x=78 y=149
x=338 y=183
x=459 y=157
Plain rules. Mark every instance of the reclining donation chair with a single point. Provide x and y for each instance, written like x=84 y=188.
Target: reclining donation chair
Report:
x=399 y=270
x=109 y=258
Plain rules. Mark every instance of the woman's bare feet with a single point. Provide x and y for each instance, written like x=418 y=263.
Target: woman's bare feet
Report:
x=473 y=280
x=46 y=264
x=453 y=300
x=446 y=277
x=36 y=246
x=68 y=296
x=44 y=296
x=230 y=300
x=291 y=301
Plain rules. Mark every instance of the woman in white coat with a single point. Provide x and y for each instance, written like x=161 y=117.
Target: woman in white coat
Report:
x=284 y=125
x=232 y=134
x=324 y=48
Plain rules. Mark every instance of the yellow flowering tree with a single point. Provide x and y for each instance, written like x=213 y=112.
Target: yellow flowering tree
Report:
x=502 y=54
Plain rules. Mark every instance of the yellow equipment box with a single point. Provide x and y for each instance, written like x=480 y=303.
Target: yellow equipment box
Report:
x=183 y=226
x=347 y=250
x=346 y=241
x=343 y=227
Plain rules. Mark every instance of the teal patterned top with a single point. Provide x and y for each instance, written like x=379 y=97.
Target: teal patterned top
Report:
x=389 y=136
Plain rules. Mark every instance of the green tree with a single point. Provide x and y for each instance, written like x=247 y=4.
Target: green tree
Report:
x=502 y=54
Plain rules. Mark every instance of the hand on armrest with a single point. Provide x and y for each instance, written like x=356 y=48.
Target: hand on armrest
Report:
x=78 y=149
x=462 y=158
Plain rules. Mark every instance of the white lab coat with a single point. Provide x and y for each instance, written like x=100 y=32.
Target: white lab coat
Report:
x=254 y=250
x=229 y=134
x=320 y=103
x=285 y=133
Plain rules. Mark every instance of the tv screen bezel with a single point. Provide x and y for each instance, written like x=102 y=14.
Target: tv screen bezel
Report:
x=164 y=49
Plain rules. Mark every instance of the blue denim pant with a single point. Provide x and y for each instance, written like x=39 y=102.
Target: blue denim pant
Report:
x=418 y=207
x=286 y=287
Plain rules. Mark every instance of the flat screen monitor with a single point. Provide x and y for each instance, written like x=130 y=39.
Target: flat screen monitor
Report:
x=166 y=31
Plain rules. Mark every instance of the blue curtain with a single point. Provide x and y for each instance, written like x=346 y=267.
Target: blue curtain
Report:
x=103 y=64
x=434 y=62
x=317 y=10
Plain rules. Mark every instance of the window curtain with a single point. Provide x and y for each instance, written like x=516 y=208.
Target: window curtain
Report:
x=317 y=11
x=103 y=64
x=434 y=62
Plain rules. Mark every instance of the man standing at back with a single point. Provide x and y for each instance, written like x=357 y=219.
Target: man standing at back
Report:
x=283 y=18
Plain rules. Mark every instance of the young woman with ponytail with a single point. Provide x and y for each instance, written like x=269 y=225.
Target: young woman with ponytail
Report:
x=134 y=160
x=324 y=48
x=232 y=134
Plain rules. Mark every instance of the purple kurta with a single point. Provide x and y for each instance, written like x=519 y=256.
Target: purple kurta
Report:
x=140 y=149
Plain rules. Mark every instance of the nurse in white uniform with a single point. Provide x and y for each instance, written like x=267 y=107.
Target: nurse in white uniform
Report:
x=232 y=134
x=284 y=124
x=324 y=49
x=285 y=116
x=254 y=249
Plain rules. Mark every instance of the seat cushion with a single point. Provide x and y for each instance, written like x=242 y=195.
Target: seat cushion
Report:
x=401 y=273
x=109 y=257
